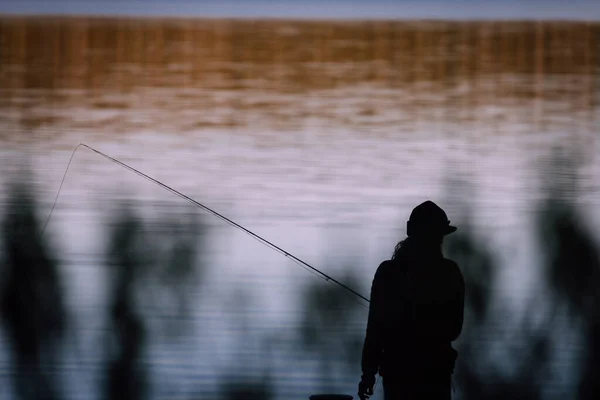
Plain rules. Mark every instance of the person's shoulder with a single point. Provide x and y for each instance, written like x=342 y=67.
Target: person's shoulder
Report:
x=453 y=268
x=451 y=264
x=386 y=264
x=384 y=267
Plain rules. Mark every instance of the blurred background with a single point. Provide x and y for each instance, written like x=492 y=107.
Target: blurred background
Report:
x=319 y=129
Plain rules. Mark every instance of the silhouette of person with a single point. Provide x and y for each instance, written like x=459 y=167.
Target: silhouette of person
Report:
x=416 y=311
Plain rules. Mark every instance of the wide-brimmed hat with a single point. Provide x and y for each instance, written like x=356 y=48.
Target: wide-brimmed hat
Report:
x=428 y=219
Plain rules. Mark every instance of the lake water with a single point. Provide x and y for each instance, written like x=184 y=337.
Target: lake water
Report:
x=319 y=136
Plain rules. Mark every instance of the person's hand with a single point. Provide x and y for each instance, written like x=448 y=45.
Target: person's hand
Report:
x=365 y=387
x=453 y=357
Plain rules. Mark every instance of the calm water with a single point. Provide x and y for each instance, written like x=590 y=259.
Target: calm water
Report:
x=319 y=136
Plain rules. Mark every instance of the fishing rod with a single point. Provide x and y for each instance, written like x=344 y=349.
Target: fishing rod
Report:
x=261 y=239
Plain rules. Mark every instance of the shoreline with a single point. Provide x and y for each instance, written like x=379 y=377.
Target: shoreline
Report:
x=298 y=19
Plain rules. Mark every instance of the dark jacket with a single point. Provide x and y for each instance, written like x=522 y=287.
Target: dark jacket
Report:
x=416 y=311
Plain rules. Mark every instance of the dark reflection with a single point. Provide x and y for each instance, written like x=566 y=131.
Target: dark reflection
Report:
x=240 y=388
x=33 y=309
x=173 y=274
x=525 y=345
x=327 y=313
x=249 y=374
x=128 y=256
x=501 y=356
x=572 y=264
x=480 y=273
x=153 y=270
x=510 y=354
x=155 y=275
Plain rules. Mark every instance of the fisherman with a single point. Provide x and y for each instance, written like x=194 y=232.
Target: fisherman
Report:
x=416 y=311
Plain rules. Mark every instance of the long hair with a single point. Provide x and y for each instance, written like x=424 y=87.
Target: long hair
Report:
x=402 y=248
x=411 y=248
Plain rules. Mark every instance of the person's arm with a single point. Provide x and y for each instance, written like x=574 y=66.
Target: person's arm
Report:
x=457 y=305
x=373 y=344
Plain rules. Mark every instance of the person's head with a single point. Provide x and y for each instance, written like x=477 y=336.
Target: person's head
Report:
x=426 y=228
x=429 y=223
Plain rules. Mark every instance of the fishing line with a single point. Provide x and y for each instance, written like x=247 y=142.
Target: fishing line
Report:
x=255 y=236
x=59 y=189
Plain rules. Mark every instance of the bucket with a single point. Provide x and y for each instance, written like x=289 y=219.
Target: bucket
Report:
x=330 y=397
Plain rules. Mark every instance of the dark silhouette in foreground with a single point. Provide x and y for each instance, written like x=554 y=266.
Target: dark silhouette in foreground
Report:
x=32 y=303
x=416 y=311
